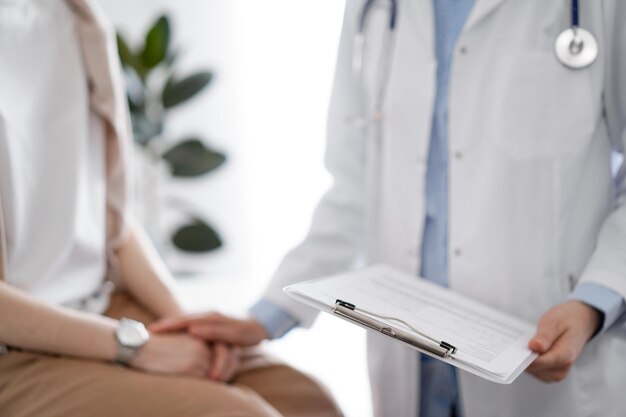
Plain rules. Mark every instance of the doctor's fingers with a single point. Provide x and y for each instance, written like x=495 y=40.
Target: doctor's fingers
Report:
x=550 y=328
x=555 y=364
x=217 y=332
x=183 y=323
x=551 y=376
x=232 y=332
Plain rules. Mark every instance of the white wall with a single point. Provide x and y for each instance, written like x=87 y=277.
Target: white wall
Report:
x=266 y=109
x=274 y=61
x=204 y=33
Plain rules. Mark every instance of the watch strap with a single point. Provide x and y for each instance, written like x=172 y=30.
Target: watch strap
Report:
x=125 y=354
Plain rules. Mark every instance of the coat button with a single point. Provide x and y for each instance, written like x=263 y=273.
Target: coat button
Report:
x=458 y=155
x=457 y=252
x=463 y=50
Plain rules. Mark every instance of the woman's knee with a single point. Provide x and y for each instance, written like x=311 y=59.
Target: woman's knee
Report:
x=58 y=386
x=215 y=400
x=291 y=392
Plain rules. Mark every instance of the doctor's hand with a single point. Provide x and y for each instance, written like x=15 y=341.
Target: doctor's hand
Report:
x=561 y=336
x=215 y=327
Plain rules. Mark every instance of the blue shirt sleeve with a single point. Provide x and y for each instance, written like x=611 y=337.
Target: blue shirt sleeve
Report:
x=603 y=299
x=276 y=321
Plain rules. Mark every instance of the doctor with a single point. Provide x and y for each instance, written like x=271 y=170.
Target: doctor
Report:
x=489 y=171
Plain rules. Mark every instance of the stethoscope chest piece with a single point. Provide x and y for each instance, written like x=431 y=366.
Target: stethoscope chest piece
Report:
x=576 y=48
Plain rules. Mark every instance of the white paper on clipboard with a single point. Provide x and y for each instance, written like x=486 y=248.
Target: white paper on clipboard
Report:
x=489 y=343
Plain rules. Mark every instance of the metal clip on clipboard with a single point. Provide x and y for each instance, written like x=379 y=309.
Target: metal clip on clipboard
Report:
x=421 y=341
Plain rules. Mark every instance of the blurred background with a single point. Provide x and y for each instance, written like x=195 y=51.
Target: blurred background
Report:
x=228 y=174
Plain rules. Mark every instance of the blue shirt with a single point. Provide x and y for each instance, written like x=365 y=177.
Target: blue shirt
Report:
x=439 y=394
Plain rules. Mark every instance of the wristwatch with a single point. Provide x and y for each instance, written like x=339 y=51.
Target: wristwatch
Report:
x=131 y=335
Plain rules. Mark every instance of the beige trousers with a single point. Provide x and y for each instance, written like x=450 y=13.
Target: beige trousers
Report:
x=37 y=385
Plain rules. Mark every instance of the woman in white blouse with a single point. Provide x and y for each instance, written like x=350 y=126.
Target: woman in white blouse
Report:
x=65 y=234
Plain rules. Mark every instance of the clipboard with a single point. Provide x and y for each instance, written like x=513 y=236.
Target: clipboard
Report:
x=395 y=304
x=417 y=339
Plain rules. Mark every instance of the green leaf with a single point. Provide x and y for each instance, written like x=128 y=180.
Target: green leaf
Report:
x=157 y=43
x=197 y=237
x=191 y=158
x=129 y=59
x=126 y=55
x=179 y=91
x=144 y=129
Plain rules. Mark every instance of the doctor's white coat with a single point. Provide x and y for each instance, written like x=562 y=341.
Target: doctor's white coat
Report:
x=533 y=206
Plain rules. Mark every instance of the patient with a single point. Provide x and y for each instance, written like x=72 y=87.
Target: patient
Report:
x=65 y=233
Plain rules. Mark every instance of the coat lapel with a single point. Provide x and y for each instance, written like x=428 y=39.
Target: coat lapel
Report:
x=421 y=11
x=482 y=9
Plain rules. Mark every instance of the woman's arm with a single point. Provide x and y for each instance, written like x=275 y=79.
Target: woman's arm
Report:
x=145 y=276
x=32 y=325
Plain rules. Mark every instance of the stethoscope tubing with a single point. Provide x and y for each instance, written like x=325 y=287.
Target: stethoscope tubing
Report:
x=393 y=15
x=575 y=14
x=569 y=58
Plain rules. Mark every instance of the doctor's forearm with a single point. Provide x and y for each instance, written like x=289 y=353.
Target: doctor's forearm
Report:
x=32 y=325
x=146 y=277
x=275 y=320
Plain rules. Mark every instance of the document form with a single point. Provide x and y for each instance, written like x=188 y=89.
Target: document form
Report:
x=474 y=337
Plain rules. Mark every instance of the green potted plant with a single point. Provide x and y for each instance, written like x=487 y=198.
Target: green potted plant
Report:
x=154 y=89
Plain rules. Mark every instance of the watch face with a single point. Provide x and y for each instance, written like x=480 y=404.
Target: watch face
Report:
x=132 y=334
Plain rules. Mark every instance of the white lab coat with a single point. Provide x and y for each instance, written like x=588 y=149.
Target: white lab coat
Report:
x=532 y=209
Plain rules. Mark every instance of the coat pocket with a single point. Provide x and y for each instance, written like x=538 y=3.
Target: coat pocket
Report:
x=542 y=109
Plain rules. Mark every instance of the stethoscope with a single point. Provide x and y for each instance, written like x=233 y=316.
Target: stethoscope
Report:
x=575 y=48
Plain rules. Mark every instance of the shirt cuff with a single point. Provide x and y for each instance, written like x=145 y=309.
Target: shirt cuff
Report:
x=274 y=319
x=603 y=299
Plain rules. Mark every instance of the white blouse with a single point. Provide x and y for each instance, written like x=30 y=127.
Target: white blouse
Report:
x=52 y=170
